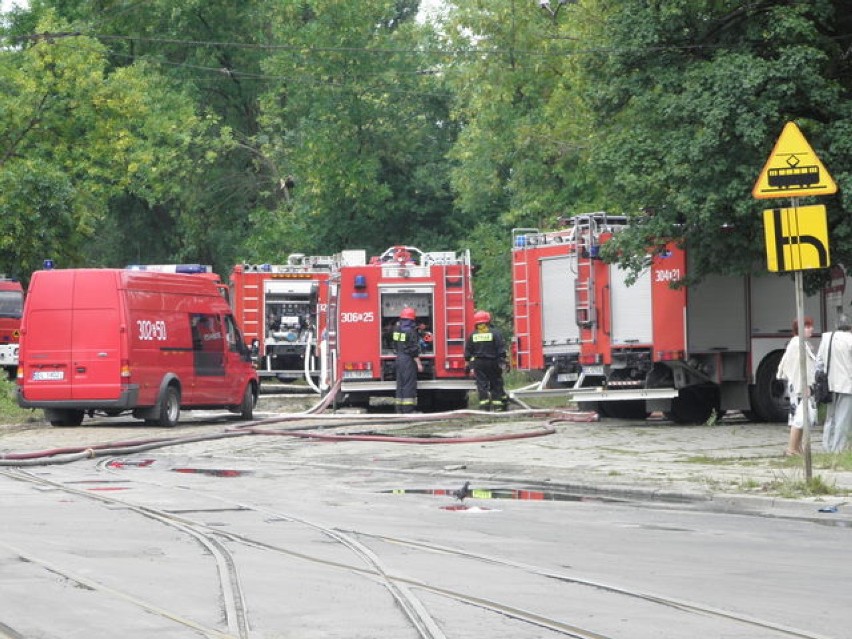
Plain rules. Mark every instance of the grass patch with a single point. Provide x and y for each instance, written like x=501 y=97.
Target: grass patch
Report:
x=514 y=380
x=10 y=412
x=833 y=461
x=799 y=487
x=791 y=486
x=706 y=460
x=823 y=461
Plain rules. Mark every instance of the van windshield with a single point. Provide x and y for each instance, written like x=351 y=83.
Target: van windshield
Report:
x=11 y=303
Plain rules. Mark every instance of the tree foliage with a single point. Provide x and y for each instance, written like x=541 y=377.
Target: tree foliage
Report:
x=360 y=123
x=215 y=132
x=688 y=98
x=76 y=135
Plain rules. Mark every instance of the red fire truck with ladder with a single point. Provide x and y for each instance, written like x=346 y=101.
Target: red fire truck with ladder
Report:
x=629 y=349
x=11 y=309
x=282 y=309
x=365 y=302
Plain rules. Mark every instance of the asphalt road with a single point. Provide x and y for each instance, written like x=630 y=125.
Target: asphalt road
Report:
x=595 y=530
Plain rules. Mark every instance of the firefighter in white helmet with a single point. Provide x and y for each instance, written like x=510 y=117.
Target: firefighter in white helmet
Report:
x=485 y=351
x=406 y=341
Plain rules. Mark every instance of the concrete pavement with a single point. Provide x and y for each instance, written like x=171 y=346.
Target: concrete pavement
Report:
x=734 y=464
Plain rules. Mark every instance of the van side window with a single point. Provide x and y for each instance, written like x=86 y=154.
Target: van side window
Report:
x=208 y=344
x=233 y=334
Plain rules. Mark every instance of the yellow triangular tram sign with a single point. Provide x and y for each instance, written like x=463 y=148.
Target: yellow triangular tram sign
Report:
x=793 y=169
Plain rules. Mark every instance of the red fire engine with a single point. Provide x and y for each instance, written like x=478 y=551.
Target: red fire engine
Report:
x=282 y=310
x=648 y=346
x=11 y=308
x=365 y=303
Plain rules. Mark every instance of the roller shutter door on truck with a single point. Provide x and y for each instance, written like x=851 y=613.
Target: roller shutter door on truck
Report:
x=632 y=321
x=716 y=315
x=559 y=326
x=773 y=305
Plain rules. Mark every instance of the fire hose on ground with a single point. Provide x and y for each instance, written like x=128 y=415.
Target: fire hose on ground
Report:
x=257 y=427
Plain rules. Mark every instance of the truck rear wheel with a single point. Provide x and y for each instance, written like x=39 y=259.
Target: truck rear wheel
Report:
x=626 y=409
x=169 y=411
x=450 y=400
x=694 y=404
x=769 y=399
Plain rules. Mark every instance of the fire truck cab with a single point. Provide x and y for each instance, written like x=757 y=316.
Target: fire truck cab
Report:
x=11 y=309
x=282 y=309
x=654 y=344
x=366 y=301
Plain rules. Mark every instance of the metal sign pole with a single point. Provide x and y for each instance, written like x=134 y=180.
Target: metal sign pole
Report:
x=793 y=169
x=803 y=366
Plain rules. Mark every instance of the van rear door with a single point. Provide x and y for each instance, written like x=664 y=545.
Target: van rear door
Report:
x=47 y=337
x=96 y=332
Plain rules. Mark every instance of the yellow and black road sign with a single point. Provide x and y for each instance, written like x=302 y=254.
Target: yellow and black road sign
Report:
x=796 y=239
x=793 y=169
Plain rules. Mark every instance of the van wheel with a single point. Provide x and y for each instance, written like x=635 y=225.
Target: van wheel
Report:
x=65 y=417
x=247 y=405
x=169 y=407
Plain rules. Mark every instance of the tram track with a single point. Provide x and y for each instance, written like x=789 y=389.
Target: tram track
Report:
x=233 y=596
x=400 y=586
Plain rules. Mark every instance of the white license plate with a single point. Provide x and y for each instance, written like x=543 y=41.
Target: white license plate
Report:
x=567 y=377
x=40 y=376
x=357 y=374
x=594 y=370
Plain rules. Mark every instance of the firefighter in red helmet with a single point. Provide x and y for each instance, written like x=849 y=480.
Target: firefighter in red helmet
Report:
x=406 y=342
x=485 y=350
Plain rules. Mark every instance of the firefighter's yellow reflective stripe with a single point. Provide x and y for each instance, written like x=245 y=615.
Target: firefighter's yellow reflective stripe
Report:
x=480 y=494
x=399 y=336
x=482 y=337
x=406 y=402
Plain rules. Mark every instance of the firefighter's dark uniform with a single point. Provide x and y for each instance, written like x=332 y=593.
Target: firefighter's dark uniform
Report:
x=485 y=350
x=407 y=344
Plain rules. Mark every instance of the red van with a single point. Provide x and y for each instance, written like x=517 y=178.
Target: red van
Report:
x=113 y=340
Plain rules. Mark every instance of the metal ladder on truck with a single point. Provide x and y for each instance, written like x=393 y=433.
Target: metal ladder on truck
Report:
x=456 y=285
x=585 y=247
x=520 y=294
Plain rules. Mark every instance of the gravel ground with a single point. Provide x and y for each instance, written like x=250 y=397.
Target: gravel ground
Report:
x=652 y=457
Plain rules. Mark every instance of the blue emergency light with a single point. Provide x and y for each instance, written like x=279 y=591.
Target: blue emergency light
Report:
x=48 y=264
x=190 y=268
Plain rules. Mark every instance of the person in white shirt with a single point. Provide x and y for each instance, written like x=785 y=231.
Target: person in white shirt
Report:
x=789 y=368
x=838 y=420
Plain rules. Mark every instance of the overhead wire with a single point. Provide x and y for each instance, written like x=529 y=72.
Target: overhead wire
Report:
x=302 y=78
x=452 y=52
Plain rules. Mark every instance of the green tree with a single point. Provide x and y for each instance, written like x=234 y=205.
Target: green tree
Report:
x=357 y=117
x=687 y=99
x=520 y=157
x=74 y=136
x=210 y=53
